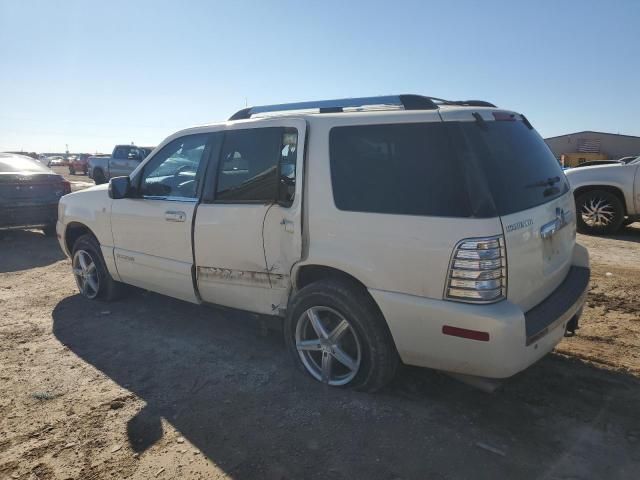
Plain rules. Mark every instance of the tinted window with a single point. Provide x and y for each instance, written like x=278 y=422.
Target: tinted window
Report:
x=249 y=165
x=403 y=169
x=21 y=163
x=520 y=170
x=176 y=169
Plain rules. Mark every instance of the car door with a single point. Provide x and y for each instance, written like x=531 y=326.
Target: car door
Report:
x=235 y=267
x=152 y=232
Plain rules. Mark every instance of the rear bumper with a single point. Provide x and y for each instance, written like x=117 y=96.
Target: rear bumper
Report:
x=517 y=339
x=28 y=216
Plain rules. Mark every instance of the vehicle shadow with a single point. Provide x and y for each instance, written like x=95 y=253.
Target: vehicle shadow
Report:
x=628 y=233
x=238 y=398
x=25 y=249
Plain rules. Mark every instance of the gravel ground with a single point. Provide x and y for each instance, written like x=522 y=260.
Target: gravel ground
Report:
x=151 y=387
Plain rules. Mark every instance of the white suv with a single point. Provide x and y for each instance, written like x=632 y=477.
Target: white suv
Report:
x=402 y=228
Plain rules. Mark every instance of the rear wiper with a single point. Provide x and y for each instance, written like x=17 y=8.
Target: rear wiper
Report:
x=549 y=182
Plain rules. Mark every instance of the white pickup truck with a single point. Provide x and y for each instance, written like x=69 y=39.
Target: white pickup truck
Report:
x=607 y=196
x=123 y=161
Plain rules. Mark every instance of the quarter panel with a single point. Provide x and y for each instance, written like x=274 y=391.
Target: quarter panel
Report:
x=400 y=253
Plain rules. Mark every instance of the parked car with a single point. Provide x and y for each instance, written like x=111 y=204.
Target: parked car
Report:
x=593 y=163
x=606 y=196
x=386 y=229
x=123 y=161
x=29 y=194
x=79 y=164
x=55 y=162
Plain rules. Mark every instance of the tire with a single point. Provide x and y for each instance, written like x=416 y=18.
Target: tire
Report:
x=102 y=286
x=72 y=171
x=98 y=177
x=366 y=340
x=49 y=231
x=599 y=212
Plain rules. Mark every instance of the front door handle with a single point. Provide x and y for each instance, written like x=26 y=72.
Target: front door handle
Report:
x=174 y=216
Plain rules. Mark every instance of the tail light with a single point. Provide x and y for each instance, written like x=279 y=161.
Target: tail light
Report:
x=66 y=187
x=478 y=271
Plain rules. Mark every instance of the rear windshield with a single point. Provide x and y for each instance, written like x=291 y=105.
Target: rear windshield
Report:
x=520 y=170
x=451 y=169
x=19 y=163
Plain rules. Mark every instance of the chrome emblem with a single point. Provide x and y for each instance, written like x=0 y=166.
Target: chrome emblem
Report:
x=519 y=225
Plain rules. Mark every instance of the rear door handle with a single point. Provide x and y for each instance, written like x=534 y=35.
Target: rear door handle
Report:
x=174 y=216
x=288 y=225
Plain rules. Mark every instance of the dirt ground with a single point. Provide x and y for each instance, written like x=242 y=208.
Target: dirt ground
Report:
x=150 y=387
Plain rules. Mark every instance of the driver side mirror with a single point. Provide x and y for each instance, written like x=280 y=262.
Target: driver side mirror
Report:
x=119 y=187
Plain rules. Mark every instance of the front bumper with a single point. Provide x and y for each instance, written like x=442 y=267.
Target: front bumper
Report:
x=517 y=339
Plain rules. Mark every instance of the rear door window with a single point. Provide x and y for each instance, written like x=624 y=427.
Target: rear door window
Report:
x=407 y=169
x=248 y=169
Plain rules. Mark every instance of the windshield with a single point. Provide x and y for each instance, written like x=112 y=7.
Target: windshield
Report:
x=633 y=162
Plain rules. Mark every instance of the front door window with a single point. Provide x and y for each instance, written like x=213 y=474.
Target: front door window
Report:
x=176 y=170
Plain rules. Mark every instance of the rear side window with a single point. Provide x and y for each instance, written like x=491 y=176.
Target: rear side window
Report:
x=407 y=169
x=520 y=170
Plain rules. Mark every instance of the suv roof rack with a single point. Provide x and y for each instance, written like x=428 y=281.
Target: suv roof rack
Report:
x=407 y=102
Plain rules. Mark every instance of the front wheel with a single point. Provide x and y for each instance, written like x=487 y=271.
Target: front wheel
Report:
x=90 y=272
x=336 y=334
x=599 y=212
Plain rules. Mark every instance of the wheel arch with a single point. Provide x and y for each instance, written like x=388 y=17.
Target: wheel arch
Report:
x=607 y=188
x=74 y=231
x=307 y=274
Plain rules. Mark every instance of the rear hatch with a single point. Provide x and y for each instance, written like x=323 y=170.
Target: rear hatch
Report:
x=510 y=172
x=21 y=189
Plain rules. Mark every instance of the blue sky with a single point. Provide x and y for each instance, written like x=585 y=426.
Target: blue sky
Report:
x=94 y=73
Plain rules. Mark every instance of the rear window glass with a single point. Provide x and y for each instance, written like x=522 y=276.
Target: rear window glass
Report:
x=20 y=163
x=451 y=169
x=399 y=168
x=520 y=170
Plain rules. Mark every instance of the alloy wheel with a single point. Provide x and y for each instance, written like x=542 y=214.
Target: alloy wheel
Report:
x=86 y=274
x=597 y=212
x=328 y=346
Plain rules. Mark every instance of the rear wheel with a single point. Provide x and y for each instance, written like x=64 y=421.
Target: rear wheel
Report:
x=99 y=177
x=599 y=212
x=90 y=272
x=338 y=336
x=71 y=171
